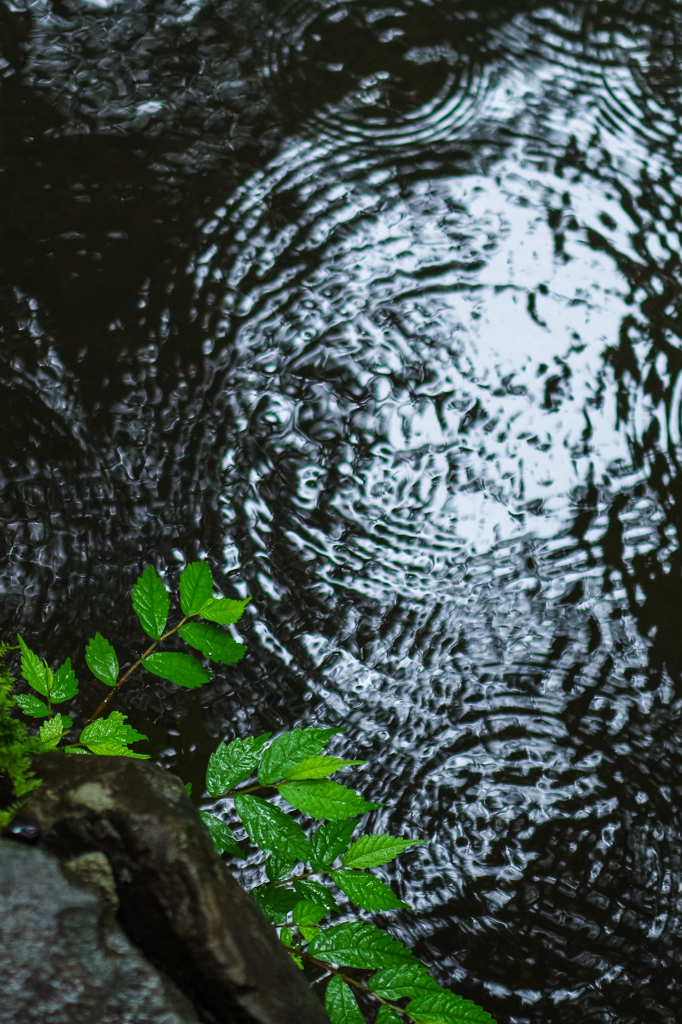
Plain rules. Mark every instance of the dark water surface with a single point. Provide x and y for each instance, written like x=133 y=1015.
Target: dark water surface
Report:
x=378 y=307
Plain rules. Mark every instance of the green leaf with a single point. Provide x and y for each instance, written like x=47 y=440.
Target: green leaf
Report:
x=151 y=602
x=212 y=641
x=102 y=660
x=196 y=587
x=114 y=750
x=75 y=750
x=340 y=1003
x=224 y=611
x=111 y=736
x=272 y=829
x=278 y=868
x=447 y=1007
x=388 y=1016
x=181 y=669
x=286 y=937
x=290 y=749
x=318 y=767
x=30 y=705
x=188 y=788
x=51 y=732
x=233 y=762
x=329 y=841
x=308 y=913
x=315 y=892
x=223 y=840
x=325 y=799
x=67 y=722
x=372 y=851
x=402 y=980
x=356 y=944
x=65 y=683
x=367 y=891
x=35 y=672
x=275 y=901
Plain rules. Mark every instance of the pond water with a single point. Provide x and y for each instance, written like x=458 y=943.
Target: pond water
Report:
x=377 y=306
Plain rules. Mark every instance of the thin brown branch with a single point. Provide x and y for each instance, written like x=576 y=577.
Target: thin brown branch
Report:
x=119 y=683
x=352 y=981
x=232 y=793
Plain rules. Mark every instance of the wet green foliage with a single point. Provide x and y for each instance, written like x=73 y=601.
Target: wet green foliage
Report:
x=16 y=746
x=318 y=870
x=312 y=872
x=151 y=602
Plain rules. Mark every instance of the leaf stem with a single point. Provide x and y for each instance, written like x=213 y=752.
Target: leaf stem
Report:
x=119 y=683
x=352 y=981
x=232 y=793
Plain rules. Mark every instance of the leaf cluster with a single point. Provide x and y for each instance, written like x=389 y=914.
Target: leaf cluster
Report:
x=151 y=603
x=315 y=872
x=319 y=860
x=16 y=746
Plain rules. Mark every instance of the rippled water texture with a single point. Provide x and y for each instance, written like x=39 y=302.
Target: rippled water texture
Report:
x=378 y=308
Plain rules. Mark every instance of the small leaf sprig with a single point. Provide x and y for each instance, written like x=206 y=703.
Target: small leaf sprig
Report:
x=151 y=602
x=296 y=897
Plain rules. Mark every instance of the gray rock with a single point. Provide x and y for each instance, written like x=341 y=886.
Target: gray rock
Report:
x=178 y=902
x=63 y=957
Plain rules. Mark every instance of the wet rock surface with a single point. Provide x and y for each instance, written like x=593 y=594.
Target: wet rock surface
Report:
x=64 y=959
x=177 y=902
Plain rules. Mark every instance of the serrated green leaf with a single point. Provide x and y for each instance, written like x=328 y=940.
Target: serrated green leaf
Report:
x=111 y=736
x=76 y=750
x=224 y=611
x=67 y=722
x=272 y=829
x=318 y=767
x=447 y=1007
x=116 y=750
x=30 y=705
x=286 y=937
x=196 y=587
x=222 y=836
x=340 y=1003
x=151 y=602
x=278 y=868
x=329 y=841
x=297 y=960
x=188 y=788
x=65 y=683
x=35 y=672
x=290 y=749
x=213 y=642
x=356 y=944
x=233 y=762
x=102 y=660
x=275 y=901
x=315 y=892
x=306 y=912
x=181 y=669
x=367 y=891
x=51 y=733
x=372 y=851
x=403 y=980
x=325 y=799
x=387 y=1016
